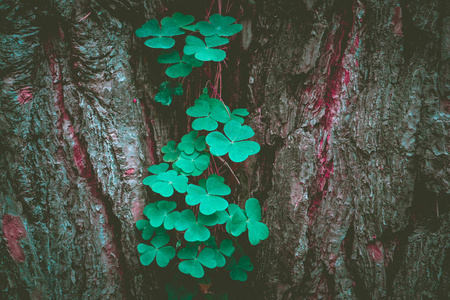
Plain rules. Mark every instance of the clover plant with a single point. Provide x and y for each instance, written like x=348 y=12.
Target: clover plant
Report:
x=191 y=239
x=195 y=50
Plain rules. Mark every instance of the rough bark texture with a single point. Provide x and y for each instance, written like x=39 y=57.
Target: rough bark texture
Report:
x=350 y=102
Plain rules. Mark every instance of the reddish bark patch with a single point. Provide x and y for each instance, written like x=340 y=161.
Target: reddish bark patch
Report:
x=14 y=231
x=336 y=46
x=375 y=253
x=129 y=172
x=25 y=95
x=397 y=22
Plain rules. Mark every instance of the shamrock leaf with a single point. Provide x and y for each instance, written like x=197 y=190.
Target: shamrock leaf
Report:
x=248 y=219
x=193 y=261
x=191 y=142
x=162 y=34
x=226 y=249
x=194 y=173
x=158 y=249
x=168 y=181
x=196 y=161
x=155 y=169
x=182 y=20
x=208 y=112
x=238 y=113
x=211 y=220
x=238 y=270
x=233 y=143
x=195 y=230
x=161 y=213
x=171 y=152
x=208 y=198
x=219 y=25
x=164 y=96
x=158 y=169
x=205 y=51
x=146 y=228
x=181 y=67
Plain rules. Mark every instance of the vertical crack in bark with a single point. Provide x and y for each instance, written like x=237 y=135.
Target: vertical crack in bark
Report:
x=81 y=158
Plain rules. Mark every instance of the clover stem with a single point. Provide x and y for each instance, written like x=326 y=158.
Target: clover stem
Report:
x=220 y=98
x=237 y=244
x=215 y=165
x=225 y=163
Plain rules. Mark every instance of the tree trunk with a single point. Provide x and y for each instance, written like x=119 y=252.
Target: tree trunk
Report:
x=349 y=100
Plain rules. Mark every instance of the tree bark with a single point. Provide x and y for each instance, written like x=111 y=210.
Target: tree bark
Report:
x=349 y=100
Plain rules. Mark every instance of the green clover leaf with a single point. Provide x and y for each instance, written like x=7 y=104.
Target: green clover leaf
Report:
x=237 y=223
x=220 y=25
x=168 y=181
x=181 y=67
x=238 y=270
x=248 y=219
x=204 y=50
x=182 y=20
x=158 y=169
x=195 y=231
x=196 y=161
x=161 y=213
x=191 y=142
x=155 y=169
x=193 y=261
x=208 y=198
x=146 y=228
x=171 y=152
x=162 y=34
x=238 y=113
x=158 y=249
x=166 y=92
x=208 y=112
x=233 y=143
x=226 y=249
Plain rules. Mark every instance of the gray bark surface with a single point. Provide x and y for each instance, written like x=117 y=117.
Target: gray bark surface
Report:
x=349 y=101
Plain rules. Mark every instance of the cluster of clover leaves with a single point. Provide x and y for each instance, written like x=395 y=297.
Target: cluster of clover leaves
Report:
x=195 y=51
x=196 y=248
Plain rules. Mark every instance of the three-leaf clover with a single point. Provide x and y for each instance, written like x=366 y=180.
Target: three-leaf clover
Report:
x=168 y=181
x=158 y=249
x=226 y=249
x=191 y=142
x=233 y=143
x=238 y=270
x=155 y=169
x=205 y=50
x=248 y=219
x=162 y=214
x=181 y=67
x=208 y=112
x=146 y=228
x=182 y=20
x=196 y=161
x=171 y=152
x=220 y=25
x=195 y=230
x=238 y=114
x=193 y=261
x=164 y=96
x=162 y=34
x=208 y=198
